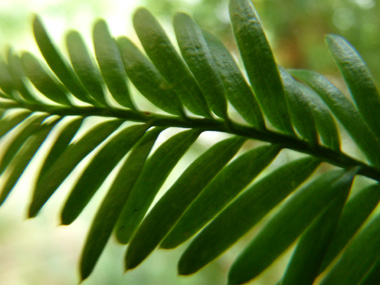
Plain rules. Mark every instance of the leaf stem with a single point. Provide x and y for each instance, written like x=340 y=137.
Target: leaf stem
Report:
x=333 y=157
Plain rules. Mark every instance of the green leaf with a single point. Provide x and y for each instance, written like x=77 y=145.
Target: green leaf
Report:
x=84 y=67
x=359 y=80
x=238 y=91
x=61 y=168
x=155 y=171
x=243 y=213
x=111 y=65
x=311 y=249
x=60 y=143
x=358 y=258
x=2 y=94
x=6 y=81
x=195 y=51
x=147 y=79
x=28 y=128
x=43 y=80
x=373 y=275
x=260 y=64
x=57 y=62
x=18 y=75
x=163 y=55
x=23 y=157
x=219 y=192
x=98 y=170
x=112 y=205
x=324 y=123
x=355 y=213
x=298 y=212
x=300 y=110
x=344 y=111
x=8 y=122
x=168 y=210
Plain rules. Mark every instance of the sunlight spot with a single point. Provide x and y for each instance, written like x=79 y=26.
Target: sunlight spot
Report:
x=344 y=18
x=365 y=4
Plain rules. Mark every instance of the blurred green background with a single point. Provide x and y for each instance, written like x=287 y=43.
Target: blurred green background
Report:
x=40 y=252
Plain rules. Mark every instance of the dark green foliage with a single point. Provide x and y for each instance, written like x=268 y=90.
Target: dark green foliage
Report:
x=229 y=188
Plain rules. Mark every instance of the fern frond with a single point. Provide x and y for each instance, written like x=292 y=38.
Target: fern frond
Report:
x=229 y=188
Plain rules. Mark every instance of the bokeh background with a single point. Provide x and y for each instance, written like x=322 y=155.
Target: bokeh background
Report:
x=39 y=251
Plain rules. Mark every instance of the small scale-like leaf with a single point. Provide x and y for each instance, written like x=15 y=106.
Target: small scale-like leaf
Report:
x=344 y=111
x=281 y=231
x=11 y=121
x=43 y=80
x=354 y=215
x=155 y=171
x=175 y=201
x=98 y=170
x=358 y=258
x=359 y=80
x=147 y=79
x=112 y=205
x=243 y=213
x=238 y=91
x=313 y=244
x=166 y=59
x=57 y=62
x=29 y=127
x=260 y=64
x=61 y=168
x=84 y=67
x=23 y=157
x=197 y=55
x=218 y=193
x=111 y=65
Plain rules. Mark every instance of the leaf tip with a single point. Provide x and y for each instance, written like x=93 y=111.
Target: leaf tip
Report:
x=65 y=221
x=128 y=264
x=184 y=269
x=83 y=276
x=331 y=38
x=33 y=211
x=36 y=20
x=100 y=25
x=140 y=12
